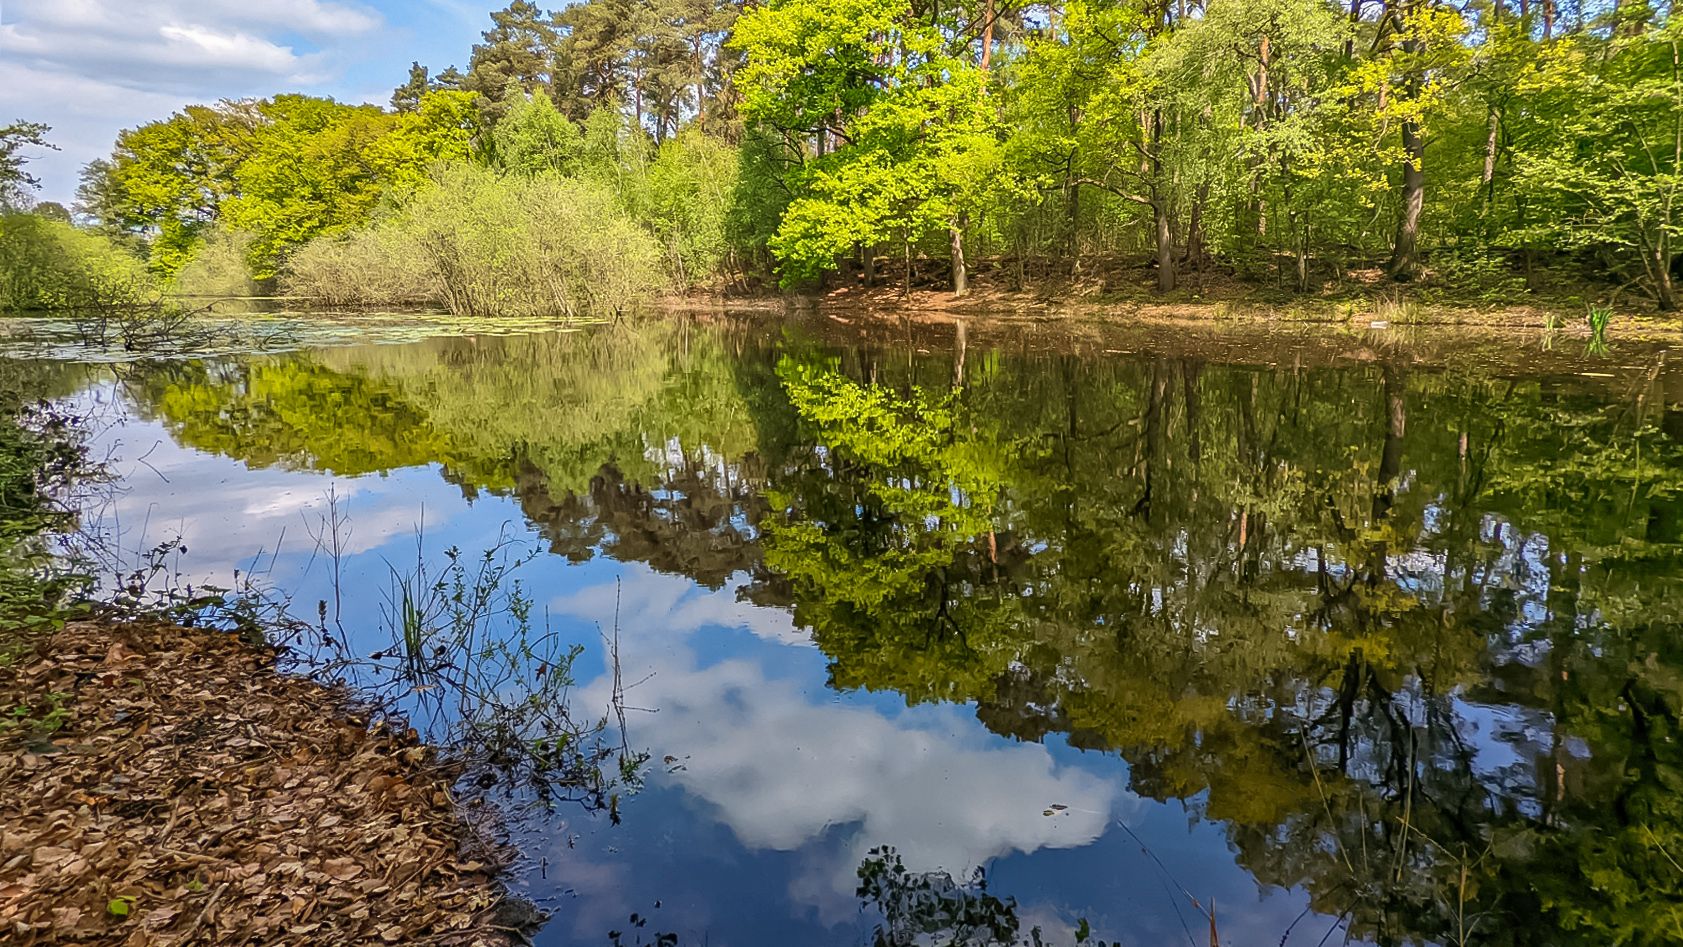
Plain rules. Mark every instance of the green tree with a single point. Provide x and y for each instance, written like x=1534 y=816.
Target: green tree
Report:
x=15 y=182
x=282 y=171
x=52 y=210
x=167 y=180
x=407 y=97
x=534 y=136
x=890 y=136
x=592 y=50
x=1602 y=156
x=517 y=52
x=685 y=200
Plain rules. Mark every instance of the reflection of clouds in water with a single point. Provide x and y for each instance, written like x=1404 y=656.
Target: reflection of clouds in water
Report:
x=226 y=513
x=653 y=608
x=597 y=895
x=783 y=771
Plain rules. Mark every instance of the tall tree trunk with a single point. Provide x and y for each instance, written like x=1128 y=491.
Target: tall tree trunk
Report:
x=961 y=281
x=1405 y=253
x=1487 y=181
x=1194 y=255
x=1665 y=288
x=1165 y=242
x=1548 y=19
x=1160 y=208
x=1303 y=256
x=906 y=281
x=1259 y=115
x=987 y=36
x=1074 y=226
x=1405 y=256
x=868 y=263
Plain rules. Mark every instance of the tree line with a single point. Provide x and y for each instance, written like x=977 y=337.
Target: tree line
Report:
x=1490 y=146
x=1286 y=139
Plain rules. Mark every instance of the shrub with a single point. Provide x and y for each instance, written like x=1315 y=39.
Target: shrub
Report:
x=378 y=266
x=529 y=245
x=757 y=203
x=48 y=264
x=685 y=198
x=217 y=267
x=1474 y=275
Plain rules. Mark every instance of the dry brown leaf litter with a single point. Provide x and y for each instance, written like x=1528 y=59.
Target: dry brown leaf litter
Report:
x=193 y=795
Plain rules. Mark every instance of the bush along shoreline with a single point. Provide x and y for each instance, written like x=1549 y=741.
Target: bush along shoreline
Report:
x=193 y=765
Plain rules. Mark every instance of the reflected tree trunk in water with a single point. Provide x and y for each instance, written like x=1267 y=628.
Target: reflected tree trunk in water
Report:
x=1565 y=589
x=1390 y=467
x=961 y=334
x=1151 y=439
x=1189 y=374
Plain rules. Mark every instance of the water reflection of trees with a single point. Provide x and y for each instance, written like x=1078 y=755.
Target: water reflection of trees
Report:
x=917 y=908
x=1411 y=638
x=1300 y=599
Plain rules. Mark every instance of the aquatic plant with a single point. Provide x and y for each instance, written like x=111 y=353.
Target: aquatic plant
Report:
x=1598 y=317
x=1396 y=309
x=468 y=666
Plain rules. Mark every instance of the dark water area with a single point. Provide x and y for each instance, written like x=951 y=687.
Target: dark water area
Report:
x=1337 y=637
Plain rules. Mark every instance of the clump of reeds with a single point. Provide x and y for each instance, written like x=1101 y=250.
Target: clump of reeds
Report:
x=1598 y=318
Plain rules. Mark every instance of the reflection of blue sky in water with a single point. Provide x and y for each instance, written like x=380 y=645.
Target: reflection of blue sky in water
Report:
x=782 y=784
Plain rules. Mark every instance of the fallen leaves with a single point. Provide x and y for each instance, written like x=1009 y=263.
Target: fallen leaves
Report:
x=196 y=796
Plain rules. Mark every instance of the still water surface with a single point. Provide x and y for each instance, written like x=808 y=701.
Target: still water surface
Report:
x=1348 y=639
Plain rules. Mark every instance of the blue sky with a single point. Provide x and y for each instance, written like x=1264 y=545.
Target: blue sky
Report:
x=90 y=68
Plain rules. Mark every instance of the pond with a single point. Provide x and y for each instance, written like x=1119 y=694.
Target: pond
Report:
x=1329 y=635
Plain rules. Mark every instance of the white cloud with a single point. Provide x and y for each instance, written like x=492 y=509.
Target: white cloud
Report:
x=649 y=602
x=91 y=67
x=206 y=47
x=84 y=113
x=174 y=46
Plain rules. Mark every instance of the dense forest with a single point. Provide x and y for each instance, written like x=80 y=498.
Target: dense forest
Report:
x=618 y=148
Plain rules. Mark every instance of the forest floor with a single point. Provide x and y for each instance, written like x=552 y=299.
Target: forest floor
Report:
x=1364 y=298
x=166 y=785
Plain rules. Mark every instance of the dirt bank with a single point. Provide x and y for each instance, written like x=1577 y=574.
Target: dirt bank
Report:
x=1367 y=299
x=163 y=785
